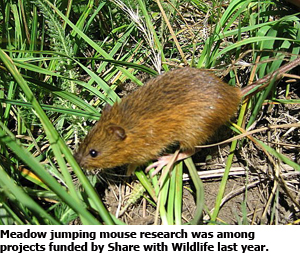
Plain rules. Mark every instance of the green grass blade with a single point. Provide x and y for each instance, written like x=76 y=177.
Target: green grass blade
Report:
x=199 y=191
x=178 y=193
x=9 y=185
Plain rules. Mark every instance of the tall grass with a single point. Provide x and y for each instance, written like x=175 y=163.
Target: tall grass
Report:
x=61 y=63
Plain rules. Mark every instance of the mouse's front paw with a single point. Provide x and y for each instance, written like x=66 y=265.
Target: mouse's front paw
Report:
x=159 y=164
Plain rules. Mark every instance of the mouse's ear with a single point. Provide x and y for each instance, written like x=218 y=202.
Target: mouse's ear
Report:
x=117 y=131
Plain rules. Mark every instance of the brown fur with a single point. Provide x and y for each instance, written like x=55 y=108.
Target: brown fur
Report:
x=185 y=105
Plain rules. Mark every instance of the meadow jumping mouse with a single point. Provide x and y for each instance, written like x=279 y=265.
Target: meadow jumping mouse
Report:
x=184 y=106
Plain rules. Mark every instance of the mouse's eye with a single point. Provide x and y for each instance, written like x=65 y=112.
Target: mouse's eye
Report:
x=93 y=153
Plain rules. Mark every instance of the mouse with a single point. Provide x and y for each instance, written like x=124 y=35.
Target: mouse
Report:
x=183 y=107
